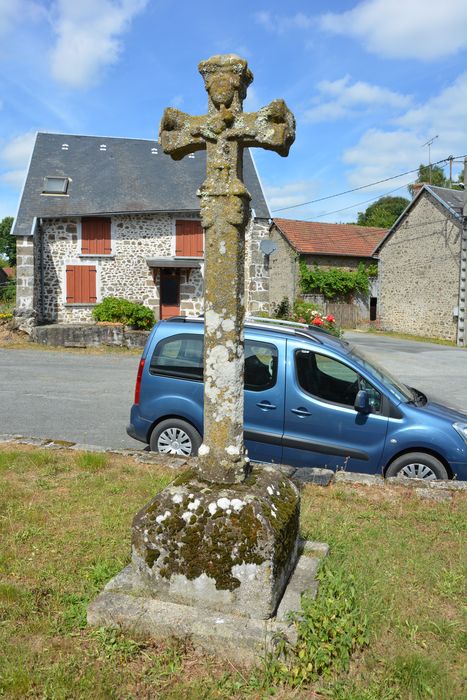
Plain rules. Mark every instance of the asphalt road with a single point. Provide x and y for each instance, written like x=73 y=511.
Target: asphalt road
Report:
x=86 y=398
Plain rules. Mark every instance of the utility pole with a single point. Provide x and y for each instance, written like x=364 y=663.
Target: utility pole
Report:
x=450 y=159
x=461 y=330
x=428 y=143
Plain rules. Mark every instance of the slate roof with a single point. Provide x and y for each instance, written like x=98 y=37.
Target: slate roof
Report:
x=126 y=177
x=311 y=237
x=452 y=200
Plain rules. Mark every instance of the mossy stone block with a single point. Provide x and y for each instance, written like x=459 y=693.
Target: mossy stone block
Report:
x=229 y=548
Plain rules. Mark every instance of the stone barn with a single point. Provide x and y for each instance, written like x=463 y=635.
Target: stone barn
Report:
x=422 y=267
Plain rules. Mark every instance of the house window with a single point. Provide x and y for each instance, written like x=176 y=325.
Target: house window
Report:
x=55 y=185
x=81 y=284
x=189 y=238
x=95 y=236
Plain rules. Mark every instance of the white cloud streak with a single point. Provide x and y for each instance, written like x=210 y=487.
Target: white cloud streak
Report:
x=89 y=37
x=16 y=154
x=399 y=29
x=380 y=153
x=341 y=98
x=280 y=24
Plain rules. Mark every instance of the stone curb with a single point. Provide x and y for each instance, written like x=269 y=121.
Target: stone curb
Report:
x=305 y=475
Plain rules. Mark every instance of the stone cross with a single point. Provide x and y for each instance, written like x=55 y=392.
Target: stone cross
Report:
x=224 y=132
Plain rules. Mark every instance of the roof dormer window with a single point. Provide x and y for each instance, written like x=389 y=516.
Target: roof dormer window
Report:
x=55 y=185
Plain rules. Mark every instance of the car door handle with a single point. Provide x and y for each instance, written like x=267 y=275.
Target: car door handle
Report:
x=301 y=411
x=265 y=405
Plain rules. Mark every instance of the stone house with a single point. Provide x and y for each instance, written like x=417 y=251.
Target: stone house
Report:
x=422 y=267
x=117 y=217
x=326 y=245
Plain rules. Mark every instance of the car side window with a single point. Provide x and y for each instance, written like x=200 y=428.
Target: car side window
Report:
x=331 y=380
x=260 y=365
x=179 y=356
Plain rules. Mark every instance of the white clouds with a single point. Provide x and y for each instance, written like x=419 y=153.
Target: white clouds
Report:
x=400 y=29
x=290 y=194
x=381 y=153
x=88 y=37
x=16 y=154
x=279 y=24
x=341 y=98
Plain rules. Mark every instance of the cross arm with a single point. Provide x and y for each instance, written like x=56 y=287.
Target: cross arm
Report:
x=272 y=128
x=179 y=133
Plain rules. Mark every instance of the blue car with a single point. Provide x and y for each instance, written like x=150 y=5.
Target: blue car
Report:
x=311 y=400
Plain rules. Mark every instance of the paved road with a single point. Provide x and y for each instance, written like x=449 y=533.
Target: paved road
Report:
x=86 y=398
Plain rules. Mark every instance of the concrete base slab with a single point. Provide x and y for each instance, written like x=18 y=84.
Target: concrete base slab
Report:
x=127 y=604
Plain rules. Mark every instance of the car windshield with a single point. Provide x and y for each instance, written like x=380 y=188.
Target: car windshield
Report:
x=399 y=390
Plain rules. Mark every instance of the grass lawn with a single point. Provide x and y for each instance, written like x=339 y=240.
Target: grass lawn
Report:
x=65 y=526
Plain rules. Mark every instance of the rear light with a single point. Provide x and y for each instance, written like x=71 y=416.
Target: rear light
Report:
x=138 y=382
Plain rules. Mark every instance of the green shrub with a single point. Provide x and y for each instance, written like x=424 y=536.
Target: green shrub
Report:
x=335 y=283
x=115 y=310
x=8 y=290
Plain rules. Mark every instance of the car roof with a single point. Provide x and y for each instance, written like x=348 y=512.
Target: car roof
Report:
x=273 y=327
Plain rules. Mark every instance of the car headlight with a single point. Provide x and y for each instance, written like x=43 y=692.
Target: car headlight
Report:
x=461 y=428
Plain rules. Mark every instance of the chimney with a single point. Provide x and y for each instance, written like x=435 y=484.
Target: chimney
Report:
x=416 y=187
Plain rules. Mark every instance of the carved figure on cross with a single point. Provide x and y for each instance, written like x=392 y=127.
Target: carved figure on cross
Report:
x=224 y=132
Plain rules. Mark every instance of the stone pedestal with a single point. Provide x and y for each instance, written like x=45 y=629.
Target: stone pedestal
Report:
x=226 y=548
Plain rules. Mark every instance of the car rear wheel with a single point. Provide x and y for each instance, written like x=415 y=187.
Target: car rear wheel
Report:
x=175 y=437
x=417 y=465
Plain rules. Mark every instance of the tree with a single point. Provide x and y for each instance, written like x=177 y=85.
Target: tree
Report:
x=383 y=213
x=7 y=242
x=436 y=177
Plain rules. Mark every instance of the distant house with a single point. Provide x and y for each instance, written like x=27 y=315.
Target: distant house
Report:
x=6 y=274
x=422 y=268
x=326 y=245
x=117 y=217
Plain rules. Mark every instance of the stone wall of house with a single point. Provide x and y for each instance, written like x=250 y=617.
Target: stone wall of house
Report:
x=256 y=268
x=123 y=273
x=419 y=273
x=283 y=270
x=26 y=297
x=344 y=262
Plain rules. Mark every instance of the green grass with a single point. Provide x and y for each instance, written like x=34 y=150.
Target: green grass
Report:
x=408 y=336
x=65 y=521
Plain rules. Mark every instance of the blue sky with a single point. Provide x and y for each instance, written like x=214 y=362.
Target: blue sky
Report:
x=369 y=83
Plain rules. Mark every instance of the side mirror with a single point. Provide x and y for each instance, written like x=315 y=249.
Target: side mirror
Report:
x=362 y=402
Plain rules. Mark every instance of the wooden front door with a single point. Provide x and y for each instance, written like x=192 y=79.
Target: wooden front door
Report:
x=169 y=292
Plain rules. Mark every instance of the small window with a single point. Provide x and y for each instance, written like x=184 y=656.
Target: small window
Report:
x=96 y=235
x=179 y=356
x=189 y=239
x=55 y=185
x=260 y=365
x=81 y=284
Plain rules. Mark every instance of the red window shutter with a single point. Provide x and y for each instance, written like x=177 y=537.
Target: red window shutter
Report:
x=188 y=238
x=70 y=284
x=81 y=284
x=95 y=235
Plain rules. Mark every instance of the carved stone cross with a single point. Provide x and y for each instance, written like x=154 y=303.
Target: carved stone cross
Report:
x=224 y=132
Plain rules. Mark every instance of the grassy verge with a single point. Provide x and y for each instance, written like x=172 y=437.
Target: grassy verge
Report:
x=408 y=336
x=65 y=523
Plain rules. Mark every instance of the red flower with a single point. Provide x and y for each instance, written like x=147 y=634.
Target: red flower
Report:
x=330 y=318
x=317 y=321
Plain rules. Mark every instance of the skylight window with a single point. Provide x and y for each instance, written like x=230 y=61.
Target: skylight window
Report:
x=55 y=185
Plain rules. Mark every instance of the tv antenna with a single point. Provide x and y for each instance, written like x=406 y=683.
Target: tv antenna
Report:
x=428 y=143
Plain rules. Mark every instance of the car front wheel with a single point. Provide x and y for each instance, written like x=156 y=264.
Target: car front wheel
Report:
x=175 y=437
x=417 y=465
